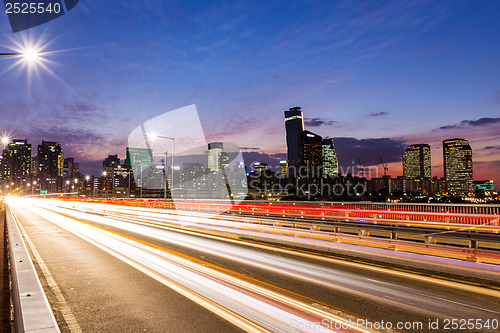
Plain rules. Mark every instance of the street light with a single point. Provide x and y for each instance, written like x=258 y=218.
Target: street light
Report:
x=153 y=136
x=86 y=184
x=105 y=174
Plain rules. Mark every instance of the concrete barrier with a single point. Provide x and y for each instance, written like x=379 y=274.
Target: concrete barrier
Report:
x=32 y=312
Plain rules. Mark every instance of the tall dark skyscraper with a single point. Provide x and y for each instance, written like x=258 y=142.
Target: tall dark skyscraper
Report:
x=417 y=162
x=16 y=159
x=294 y=125
x=50 y=159
x=457 y=156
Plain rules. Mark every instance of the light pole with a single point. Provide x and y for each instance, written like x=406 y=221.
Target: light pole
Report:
x=154 y=137
x=86 y=184
x=128 y=171
x=77 y=190
x=105 y=174
x=33 y=188
x=67 y=186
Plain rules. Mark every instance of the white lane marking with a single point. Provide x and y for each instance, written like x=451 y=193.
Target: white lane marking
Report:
x=68 y=316
x=427 y=279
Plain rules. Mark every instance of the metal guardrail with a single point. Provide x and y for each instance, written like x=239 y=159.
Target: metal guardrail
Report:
x=32 y=312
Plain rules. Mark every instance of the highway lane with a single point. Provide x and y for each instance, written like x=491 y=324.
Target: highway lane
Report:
x=95 y=292
x=339 y=288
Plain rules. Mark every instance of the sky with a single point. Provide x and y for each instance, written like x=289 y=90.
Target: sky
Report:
x=375 y=76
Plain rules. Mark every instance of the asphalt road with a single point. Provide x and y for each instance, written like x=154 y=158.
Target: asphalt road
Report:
x=133 y=273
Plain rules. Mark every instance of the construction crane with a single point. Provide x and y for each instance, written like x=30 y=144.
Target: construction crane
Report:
x=361 y=167
x=386 y=168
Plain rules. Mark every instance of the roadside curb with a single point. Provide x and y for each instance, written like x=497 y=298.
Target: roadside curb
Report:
x=32 y=312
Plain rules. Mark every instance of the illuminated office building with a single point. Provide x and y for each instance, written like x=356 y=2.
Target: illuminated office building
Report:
x=417 y=162
x=457 y=156
x=283 y=168
x=70 y=168
x=215 y=150
x=16 y=159
x=50 y=159
x=329 y=161
x=294 y=125
x=310 y=153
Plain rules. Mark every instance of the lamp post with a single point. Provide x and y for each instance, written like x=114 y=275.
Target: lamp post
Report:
x=153 y=137
x=128 y=171
x=77 y=190
x=105 y=174
x=86 y=184
x=67 y=186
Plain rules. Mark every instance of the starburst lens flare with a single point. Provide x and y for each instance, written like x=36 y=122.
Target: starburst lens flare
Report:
x=31 y=55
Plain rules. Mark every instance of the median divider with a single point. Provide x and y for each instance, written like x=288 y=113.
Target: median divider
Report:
x=32 y=312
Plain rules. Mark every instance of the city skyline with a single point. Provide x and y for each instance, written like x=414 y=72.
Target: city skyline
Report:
x=375 y=78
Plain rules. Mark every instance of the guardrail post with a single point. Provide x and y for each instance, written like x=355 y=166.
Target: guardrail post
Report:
x=430 y=240
x=473 y=244
x=363 y=232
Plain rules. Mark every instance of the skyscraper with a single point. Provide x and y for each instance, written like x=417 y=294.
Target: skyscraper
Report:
x=70 y=168
x=329 y=161
x=215 y=150
x=417 y=162
x=110 y=162
x=294 y=125
x=50 y=159
x=457 y=156
x=16 y=159
x=310 y=153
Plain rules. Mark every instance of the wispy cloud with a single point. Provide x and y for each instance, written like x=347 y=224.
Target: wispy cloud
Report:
x=316 y=122
x=378 y=114
x=474 y=123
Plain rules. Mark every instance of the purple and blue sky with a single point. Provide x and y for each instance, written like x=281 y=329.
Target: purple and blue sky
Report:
x=374 y=75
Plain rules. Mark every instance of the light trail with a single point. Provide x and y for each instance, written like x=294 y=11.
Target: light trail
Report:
x=332 y=279
x=411 y=299
x=253 y=229
x=247 y=305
